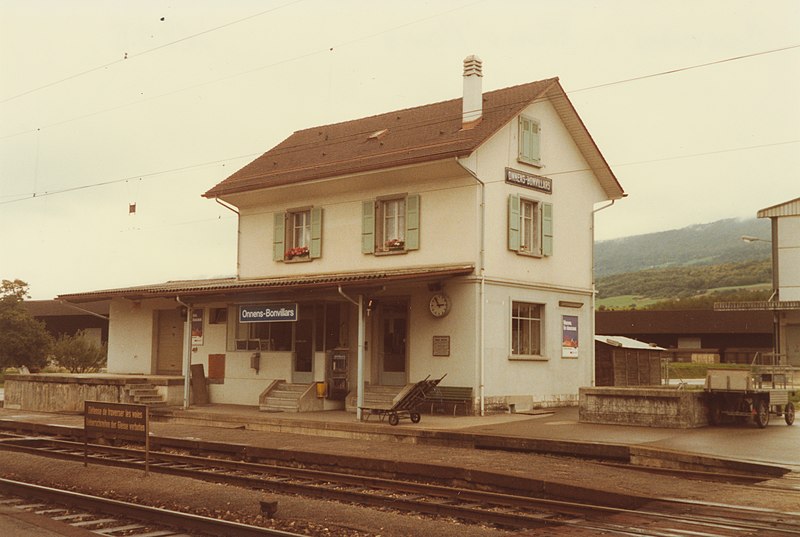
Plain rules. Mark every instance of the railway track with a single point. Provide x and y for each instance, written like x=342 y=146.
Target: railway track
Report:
x=112 y=518
x=508 y=509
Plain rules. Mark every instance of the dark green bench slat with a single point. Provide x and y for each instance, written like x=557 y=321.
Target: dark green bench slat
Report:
x=458 y=395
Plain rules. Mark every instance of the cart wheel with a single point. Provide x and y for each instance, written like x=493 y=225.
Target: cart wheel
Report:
x=415 y=417
x=762 y=414
x=788 y=413
x=393 y=419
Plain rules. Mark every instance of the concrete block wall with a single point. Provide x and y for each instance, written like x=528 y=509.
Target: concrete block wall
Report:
x=648 y=407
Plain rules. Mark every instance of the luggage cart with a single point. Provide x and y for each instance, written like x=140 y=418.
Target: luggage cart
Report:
x=405 y=404
x=755 y=393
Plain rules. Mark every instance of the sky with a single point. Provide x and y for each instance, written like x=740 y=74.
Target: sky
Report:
x=107 y=103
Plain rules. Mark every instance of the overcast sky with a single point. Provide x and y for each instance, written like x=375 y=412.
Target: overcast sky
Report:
x=105 y=103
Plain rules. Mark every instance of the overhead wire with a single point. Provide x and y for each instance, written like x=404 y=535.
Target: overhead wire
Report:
x=129 y=56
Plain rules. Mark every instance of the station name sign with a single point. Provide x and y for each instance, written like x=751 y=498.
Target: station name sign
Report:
x=529 y=180
x=267 y=313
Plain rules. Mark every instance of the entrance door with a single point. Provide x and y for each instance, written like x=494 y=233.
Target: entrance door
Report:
x=392 y=344
x=792 y=332
x=302 y=369
x=169 y=359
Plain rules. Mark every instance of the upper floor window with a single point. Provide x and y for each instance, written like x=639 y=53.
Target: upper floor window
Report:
x=298 y=234
x=390 y=224
x=529 y=138
x=530 y=226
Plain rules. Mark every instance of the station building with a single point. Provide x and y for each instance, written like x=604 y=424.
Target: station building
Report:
x=453 y=239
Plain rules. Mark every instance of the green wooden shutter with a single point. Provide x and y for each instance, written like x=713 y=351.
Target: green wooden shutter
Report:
x=528 y=140
x=368 y=227
x=279 y=230
x=412 y=222
x=513 y=222
x=547 y=229
x=315 y=249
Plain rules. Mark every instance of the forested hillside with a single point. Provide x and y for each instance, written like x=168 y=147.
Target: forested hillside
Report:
x=687 y=268
x=703 y=244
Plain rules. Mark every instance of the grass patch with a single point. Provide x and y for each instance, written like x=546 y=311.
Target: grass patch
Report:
x=624 y=302
x=690 y=370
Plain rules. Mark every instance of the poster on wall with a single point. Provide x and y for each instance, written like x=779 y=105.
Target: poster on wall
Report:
x=569 y=336
x=197 y=327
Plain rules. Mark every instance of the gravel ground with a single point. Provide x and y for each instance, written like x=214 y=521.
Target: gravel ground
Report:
x=300 y=515
x=318 y=518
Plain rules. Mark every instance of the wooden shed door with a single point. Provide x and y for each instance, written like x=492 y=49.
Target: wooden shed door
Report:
x=170 y=342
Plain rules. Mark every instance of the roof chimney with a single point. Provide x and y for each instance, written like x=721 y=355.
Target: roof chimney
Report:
x=472 y=102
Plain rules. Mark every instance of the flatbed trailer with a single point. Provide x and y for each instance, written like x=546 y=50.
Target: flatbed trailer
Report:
x=754 y=393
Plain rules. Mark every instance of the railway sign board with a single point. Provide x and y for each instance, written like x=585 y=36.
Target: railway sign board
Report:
x=117 y=421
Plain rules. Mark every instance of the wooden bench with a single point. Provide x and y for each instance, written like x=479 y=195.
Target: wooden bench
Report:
x=442 y=396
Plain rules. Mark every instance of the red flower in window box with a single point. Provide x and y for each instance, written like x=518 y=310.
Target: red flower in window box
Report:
x=300 y=251
x=395 y=244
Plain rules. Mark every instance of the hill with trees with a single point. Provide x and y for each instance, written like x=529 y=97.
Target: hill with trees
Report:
x=685 y=268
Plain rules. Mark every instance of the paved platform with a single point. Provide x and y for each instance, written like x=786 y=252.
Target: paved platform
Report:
x=556 y=431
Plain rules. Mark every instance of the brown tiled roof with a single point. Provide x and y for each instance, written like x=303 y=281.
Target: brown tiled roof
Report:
x=411 y=136
x=193 y=288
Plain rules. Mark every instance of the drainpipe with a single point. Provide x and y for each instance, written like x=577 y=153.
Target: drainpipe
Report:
x=187 y=349
x=594 y=292
x=482 y=291
x=361 y=332
x=238 y=229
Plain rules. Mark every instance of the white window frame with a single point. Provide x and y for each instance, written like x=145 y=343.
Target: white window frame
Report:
x=391 y=217
x=530 y=227
x=521 y=347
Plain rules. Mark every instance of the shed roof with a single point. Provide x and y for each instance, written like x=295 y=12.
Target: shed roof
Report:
x=789 y=208
x=684 y=322
x=626 y=343
x=411 y=136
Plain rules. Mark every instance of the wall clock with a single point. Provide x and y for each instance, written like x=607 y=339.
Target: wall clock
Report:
x=439 y=305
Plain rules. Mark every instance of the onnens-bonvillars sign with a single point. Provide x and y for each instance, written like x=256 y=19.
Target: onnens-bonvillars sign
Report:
x=267 y=313
x=116 y=421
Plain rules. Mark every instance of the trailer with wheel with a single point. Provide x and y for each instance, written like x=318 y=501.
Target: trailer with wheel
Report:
x=745 y=394
x=405 y=405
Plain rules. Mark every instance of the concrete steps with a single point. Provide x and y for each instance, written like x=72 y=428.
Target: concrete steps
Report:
x=284 y=397
x=144 y=394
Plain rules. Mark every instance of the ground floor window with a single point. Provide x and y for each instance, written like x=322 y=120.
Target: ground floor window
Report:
x=526 y=329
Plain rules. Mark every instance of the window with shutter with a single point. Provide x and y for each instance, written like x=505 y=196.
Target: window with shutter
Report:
x=298 y=235
x=530 y=226
x=391 y=224
x=529 y=141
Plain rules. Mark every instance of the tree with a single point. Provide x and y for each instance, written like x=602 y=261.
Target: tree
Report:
x=24 y=341
x=78 y=353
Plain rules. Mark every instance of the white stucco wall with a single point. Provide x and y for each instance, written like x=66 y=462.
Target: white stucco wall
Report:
x=789 y=257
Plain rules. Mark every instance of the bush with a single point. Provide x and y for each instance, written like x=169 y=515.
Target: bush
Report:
x=78 y=353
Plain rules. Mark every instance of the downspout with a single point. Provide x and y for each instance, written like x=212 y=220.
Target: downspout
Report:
x=238 y=229
x=187 y=348
x=594 y=292
x=361 y=331
x=482 y=290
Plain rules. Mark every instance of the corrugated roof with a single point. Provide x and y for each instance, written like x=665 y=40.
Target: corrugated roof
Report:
x=627 y=343
x=789 y=208
x=186 y=288
x=404 y=137
x=47 y=308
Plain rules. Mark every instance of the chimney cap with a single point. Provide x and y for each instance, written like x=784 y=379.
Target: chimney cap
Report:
x=473 y=65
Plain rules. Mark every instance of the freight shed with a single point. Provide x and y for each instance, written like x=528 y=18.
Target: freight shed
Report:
x=622 y=361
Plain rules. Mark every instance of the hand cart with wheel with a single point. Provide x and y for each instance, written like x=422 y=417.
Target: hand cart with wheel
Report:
x=405 y=404
x=750 y=393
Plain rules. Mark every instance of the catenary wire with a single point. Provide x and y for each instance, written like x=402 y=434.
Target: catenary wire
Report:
x=129 y=56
